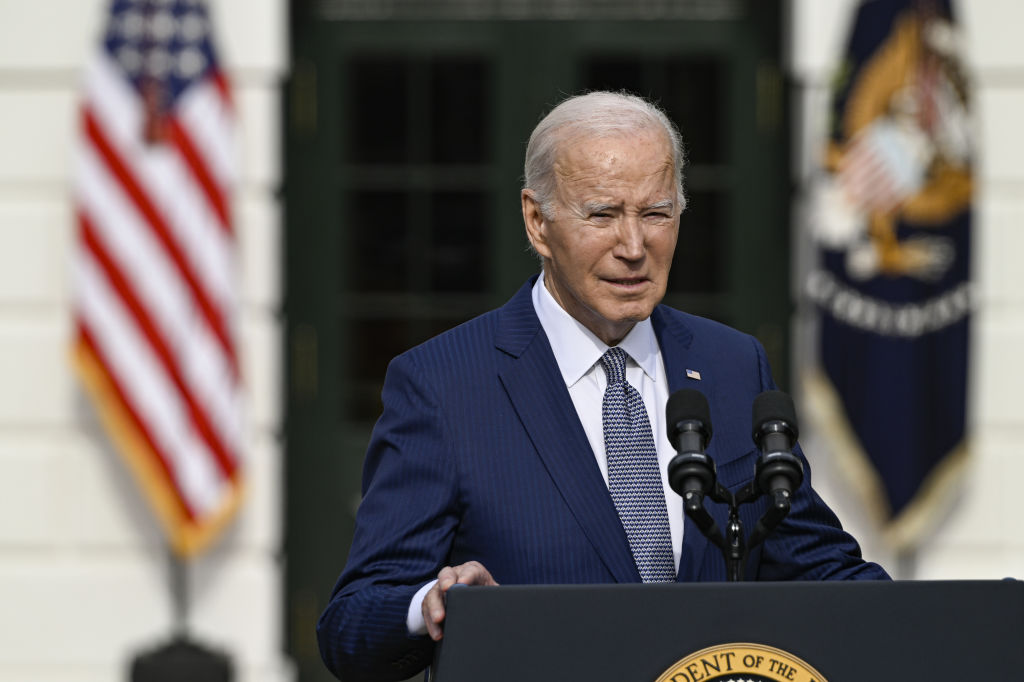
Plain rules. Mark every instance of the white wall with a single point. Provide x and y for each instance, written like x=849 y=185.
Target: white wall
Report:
x=83 y=570
x=983 y=537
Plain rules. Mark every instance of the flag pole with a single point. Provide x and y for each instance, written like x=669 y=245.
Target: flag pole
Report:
x=179 y=595
x=180 y=658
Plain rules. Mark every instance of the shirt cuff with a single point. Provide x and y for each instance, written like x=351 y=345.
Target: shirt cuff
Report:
x=414 y=620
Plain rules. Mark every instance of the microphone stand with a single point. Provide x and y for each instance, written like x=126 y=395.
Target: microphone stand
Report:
x=734 y=547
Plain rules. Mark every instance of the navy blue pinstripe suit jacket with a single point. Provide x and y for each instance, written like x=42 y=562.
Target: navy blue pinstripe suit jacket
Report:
x=479 y=455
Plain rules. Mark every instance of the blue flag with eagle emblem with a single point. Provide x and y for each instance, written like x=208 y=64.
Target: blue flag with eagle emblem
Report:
x=891 y=220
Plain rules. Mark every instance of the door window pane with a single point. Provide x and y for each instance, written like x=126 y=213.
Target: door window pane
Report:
x=694 y=97
x=458 y=249
x=460 y=116
x=378 y=99
x=615 y=74
x=375 y=248
x=699 y=265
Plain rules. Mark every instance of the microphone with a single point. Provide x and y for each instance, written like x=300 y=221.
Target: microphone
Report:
x=778 y=472
x=691 y=473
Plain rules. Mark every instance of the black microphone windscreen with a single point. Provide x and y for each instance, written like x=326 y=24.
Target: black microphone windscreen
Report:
x=687 y=404
x=774 y=406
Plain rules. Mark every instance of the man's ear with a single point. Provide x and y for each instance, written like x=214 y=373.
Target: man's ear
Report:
x=536 y=223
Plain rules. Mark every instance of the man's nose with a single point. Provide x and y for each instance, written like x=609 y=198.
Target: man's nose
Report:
x=632 y=241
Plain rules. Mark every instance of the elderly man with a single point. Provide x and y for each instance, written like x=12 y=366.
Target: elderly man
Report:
x=529 y=445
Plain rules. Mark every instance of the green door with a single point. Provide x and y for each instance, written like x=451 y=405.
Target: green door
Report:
x=404 y=146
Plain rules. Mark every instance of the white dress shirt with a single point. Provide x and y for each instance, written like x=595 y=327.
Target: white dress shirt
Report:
x=578 y=353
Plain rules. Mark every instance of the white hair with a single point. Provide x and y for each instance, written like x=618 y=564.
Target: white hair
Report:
x=595 y=114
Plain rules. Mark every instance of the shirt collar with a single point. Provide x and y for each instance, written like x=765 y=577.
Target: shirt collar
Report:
x=576 y=348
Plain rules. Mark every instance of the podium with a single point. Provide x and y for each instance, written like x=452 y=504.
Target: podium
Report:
x=843 y=631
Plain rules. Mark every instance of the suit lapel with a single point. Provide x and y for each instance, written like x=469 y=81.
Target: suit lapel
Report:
x=675 y=340
x=540 y=398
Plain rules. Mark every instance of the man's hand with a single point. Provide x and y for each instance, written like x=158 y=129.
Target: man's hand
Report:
x=469 y=573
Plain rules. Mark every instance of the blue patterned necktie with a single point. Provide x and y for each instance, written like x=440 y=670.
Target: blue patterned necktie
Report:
x=633 y=477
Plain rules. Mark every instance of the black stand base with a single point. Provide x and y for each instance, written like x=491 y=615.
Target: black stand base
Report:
x=181 y=659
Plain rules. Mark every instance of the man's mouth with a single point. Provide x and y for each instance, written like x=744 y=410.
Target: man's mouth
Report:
x=627 y=281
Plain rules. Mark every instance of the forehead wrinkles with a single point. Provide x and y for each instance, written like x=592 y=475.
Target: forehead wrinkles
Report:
x=586 y=171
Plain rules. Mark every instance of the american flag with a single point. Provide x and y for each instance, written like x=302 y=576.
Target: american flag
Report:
x=154 y=262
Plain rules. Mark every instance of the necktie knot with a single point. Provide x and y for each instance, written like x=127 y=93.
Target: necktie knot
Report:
x=614 y=363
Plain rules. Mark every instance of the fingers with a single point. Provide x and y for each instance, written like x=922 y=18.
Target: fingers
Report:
x=470 y=573
x=433 y=611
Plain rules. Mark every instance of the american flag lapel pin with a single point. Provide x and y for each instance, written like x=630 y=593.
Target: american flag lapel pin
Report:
x=693 y=374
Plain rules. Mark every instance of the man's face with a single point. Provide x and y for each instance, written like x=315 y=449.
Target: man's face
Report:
x=608 y=248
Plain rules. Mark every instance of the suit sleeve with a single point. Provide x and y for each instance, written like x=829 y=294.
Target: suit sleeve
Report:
x=403 y=535
x=810 y=543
